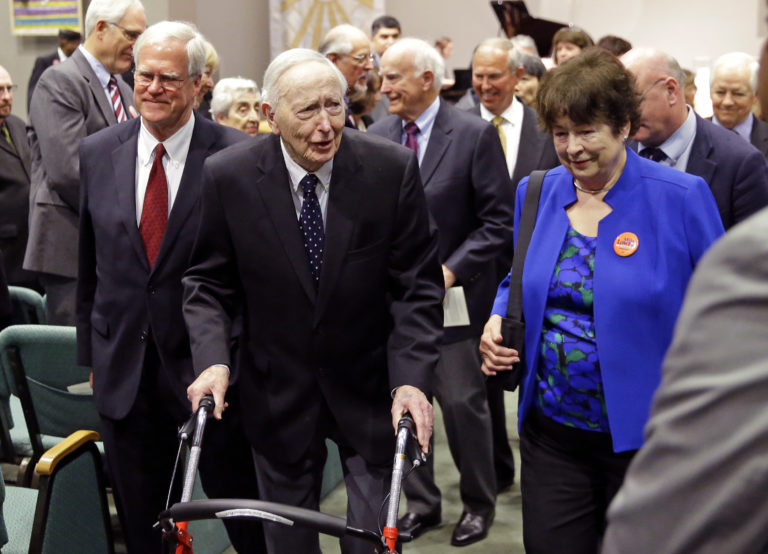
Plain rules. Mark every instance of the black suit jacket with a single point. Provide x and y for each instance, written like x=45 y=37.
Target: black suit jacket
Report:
x=372 y=325
x=41 y=64
x=14 y=201
x=121 y=302
x=536 y=149
x=735 y=171
x=471 y=199
x=759 y=135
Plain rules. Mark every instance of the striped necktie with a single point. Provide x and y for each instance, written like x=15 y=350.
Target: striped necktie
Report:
x=117 y=102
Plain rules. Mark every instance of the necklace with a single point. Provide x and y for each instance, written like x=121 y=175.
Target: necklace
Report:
x=588 y=191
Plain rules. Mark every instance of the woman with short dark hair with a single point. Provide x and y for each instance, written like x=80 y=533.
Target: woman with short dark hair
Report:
x=568 y=42
x=615 y=242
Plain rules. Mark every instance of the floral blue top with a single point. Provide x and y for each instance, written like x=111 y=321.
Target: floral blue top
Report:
x=569 y=384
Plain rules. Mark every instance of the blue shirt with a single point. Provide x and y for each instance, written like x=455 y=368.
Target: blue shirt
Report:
x=424 y=122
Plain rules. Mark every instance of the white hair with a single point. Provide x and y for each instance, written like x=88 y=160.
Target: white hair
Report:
x=505 y=45
x=524 y=43
x=290 y=58
x=423 y=56
x=227 y=90
x=739 y=61
x=184 y=32
x=111 y=11
x=339 y=40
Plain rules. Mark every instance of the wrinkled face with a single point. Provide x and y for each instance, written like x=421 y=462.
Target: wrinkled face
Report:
x=732 y=97
x=6 y=94
x=309 y=115
x=384 y=38
x=166 y=101
x=206 y=83
x=526 y=88
x=408 y=94
x=564 y=51
x=354 y=65
x=118 y=40
x=493 y=80
x=592 y=153
x=243 y=114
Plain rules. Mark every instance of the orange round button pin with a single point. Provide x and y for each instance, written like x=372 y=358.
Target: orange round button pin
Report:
x=626 y=244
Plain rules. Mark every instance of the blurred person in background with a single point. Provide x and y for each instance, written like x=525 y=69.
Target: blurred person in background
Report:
x=528 y=85
x=236 y=102
x=203 y=100
x=568 y=43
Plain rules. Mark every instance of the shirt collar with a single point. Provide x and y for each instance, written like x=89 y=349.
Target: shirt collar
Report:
x=744 y=129
x=676 y=145
x=61 y=54
x=427 y=118
x=176 y=146
x=296 y=173
x=513 y=114
x=98 y=68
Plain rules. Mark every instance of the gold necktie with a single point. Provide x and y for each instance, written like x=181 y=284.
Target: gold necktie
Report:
x=497 y=121
x=7 y=136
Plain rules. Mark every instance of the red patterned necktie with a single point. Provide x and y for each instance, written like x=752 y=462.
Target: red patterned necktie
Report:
x=154 y=214
x=411 y=130
x=117 y=102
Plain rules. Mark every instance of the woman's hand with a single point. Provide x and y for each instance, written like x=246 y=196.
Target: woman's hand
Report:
x=495 y=357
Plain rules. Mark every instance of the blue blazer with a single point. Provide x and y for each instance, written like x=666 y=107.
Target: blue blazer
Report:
x=636 y=298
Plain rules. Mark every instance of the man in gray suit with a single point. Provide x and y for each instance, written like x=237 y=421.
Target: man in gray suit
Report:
x=733 y=90
x=72 y=100
x=698 y=483
x=496 y=70
x=470 y=198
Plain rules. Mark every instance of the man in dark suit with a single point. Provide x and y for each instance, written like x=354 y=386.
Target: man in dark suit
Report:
x=470 y=197
x=74 y=99
x=324 y=241
x=350 y=50
x=733 y=91
x=496 y=71
x=140 y=199
x=14 y=187
x=671 y=133
x=69 y=40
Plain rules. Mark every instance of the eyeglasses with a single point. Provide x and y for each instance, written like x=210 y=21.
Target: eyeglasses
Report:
x=656 y=82
x=170 y=83
x=8 y=89
x=127 y=33
x=362 y=58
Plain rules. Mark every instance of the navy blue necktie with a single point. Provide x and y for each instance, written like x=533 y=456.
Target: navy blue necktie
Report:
x=653 y=153
x=311 y=225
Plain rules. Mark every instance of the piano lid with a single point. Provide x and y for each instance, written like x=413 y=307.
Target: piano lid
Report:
x=514 y=19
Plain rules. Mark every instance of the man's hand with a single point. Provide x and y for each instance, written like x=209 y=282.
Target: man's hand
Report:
x=411 y=400
x=90 y=378
x=214 y=380
x=449 y=277
x=495 y=357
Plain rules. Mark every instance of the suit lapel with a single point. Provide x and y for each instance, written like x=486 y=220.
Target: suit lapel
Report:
x=439 y=140
x=96 y=89
x=340 y=219
x=124 y=164
x=189 y=187
x=273 y=186
x=701 y=149
x=529 y=150
x=18 y=134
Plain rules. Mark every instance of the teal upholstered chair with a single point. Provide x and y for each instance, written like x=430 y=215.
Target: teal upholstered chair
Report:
x=27 y=306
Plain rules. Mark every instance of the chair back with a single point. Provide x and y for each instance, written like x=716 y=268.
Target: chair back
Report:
x=27 y=306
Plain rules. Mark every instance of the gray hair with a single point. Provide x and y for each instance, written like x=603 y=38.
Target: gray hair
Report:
x=533 y=65
x=227 y=90
x=674 y=70
x=111 y=11
x=513 y=54
x=184 y=32
x=339 y=40
x=524 y=43
x=740 y=61
x=287 y=60
x=423 y=56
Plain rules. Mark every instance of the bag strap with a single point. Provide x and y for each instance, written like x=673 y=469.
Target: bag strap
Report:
x=524 y=232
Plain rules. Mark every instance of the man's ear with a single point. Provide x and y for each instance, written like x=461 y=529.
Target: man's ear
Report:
x=269 y=115
x=333 y=57
x=428 y=79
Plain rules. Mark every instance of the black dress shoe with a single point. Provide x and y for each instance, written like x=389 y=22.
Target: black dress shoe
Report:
x=471 y=528
x=415 y=524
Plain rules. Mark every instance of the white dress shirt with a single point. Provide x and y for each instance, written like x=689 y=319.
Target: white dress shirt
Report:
x=296 y=173
x=678 y=146
x=101 y=72
x=176 y=150
x=512 y=127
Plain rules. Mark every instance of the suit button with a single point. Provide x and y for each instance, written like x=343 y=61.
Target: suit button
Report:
x=321 y=372
x=152 y=290
x=143 y=337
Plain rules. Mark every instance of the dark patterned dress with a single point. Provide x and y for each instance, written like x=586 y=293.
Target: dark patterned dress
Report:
x=569 y=385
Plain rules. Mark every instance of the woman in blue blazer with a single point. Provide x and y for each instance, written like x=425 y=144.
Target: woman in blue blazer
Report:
x=615 y=242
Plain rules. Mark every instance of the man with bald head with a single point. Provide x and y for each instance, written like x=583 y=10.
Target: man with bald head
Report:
x=733 y=90
x=671 y=133
x=350 y=50
x=14 y=186
x=341 y=327
x=72 y=100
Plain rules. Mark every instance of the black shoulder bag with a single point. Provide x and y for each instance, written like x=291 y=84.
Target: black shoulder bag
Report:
x=513 y=326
